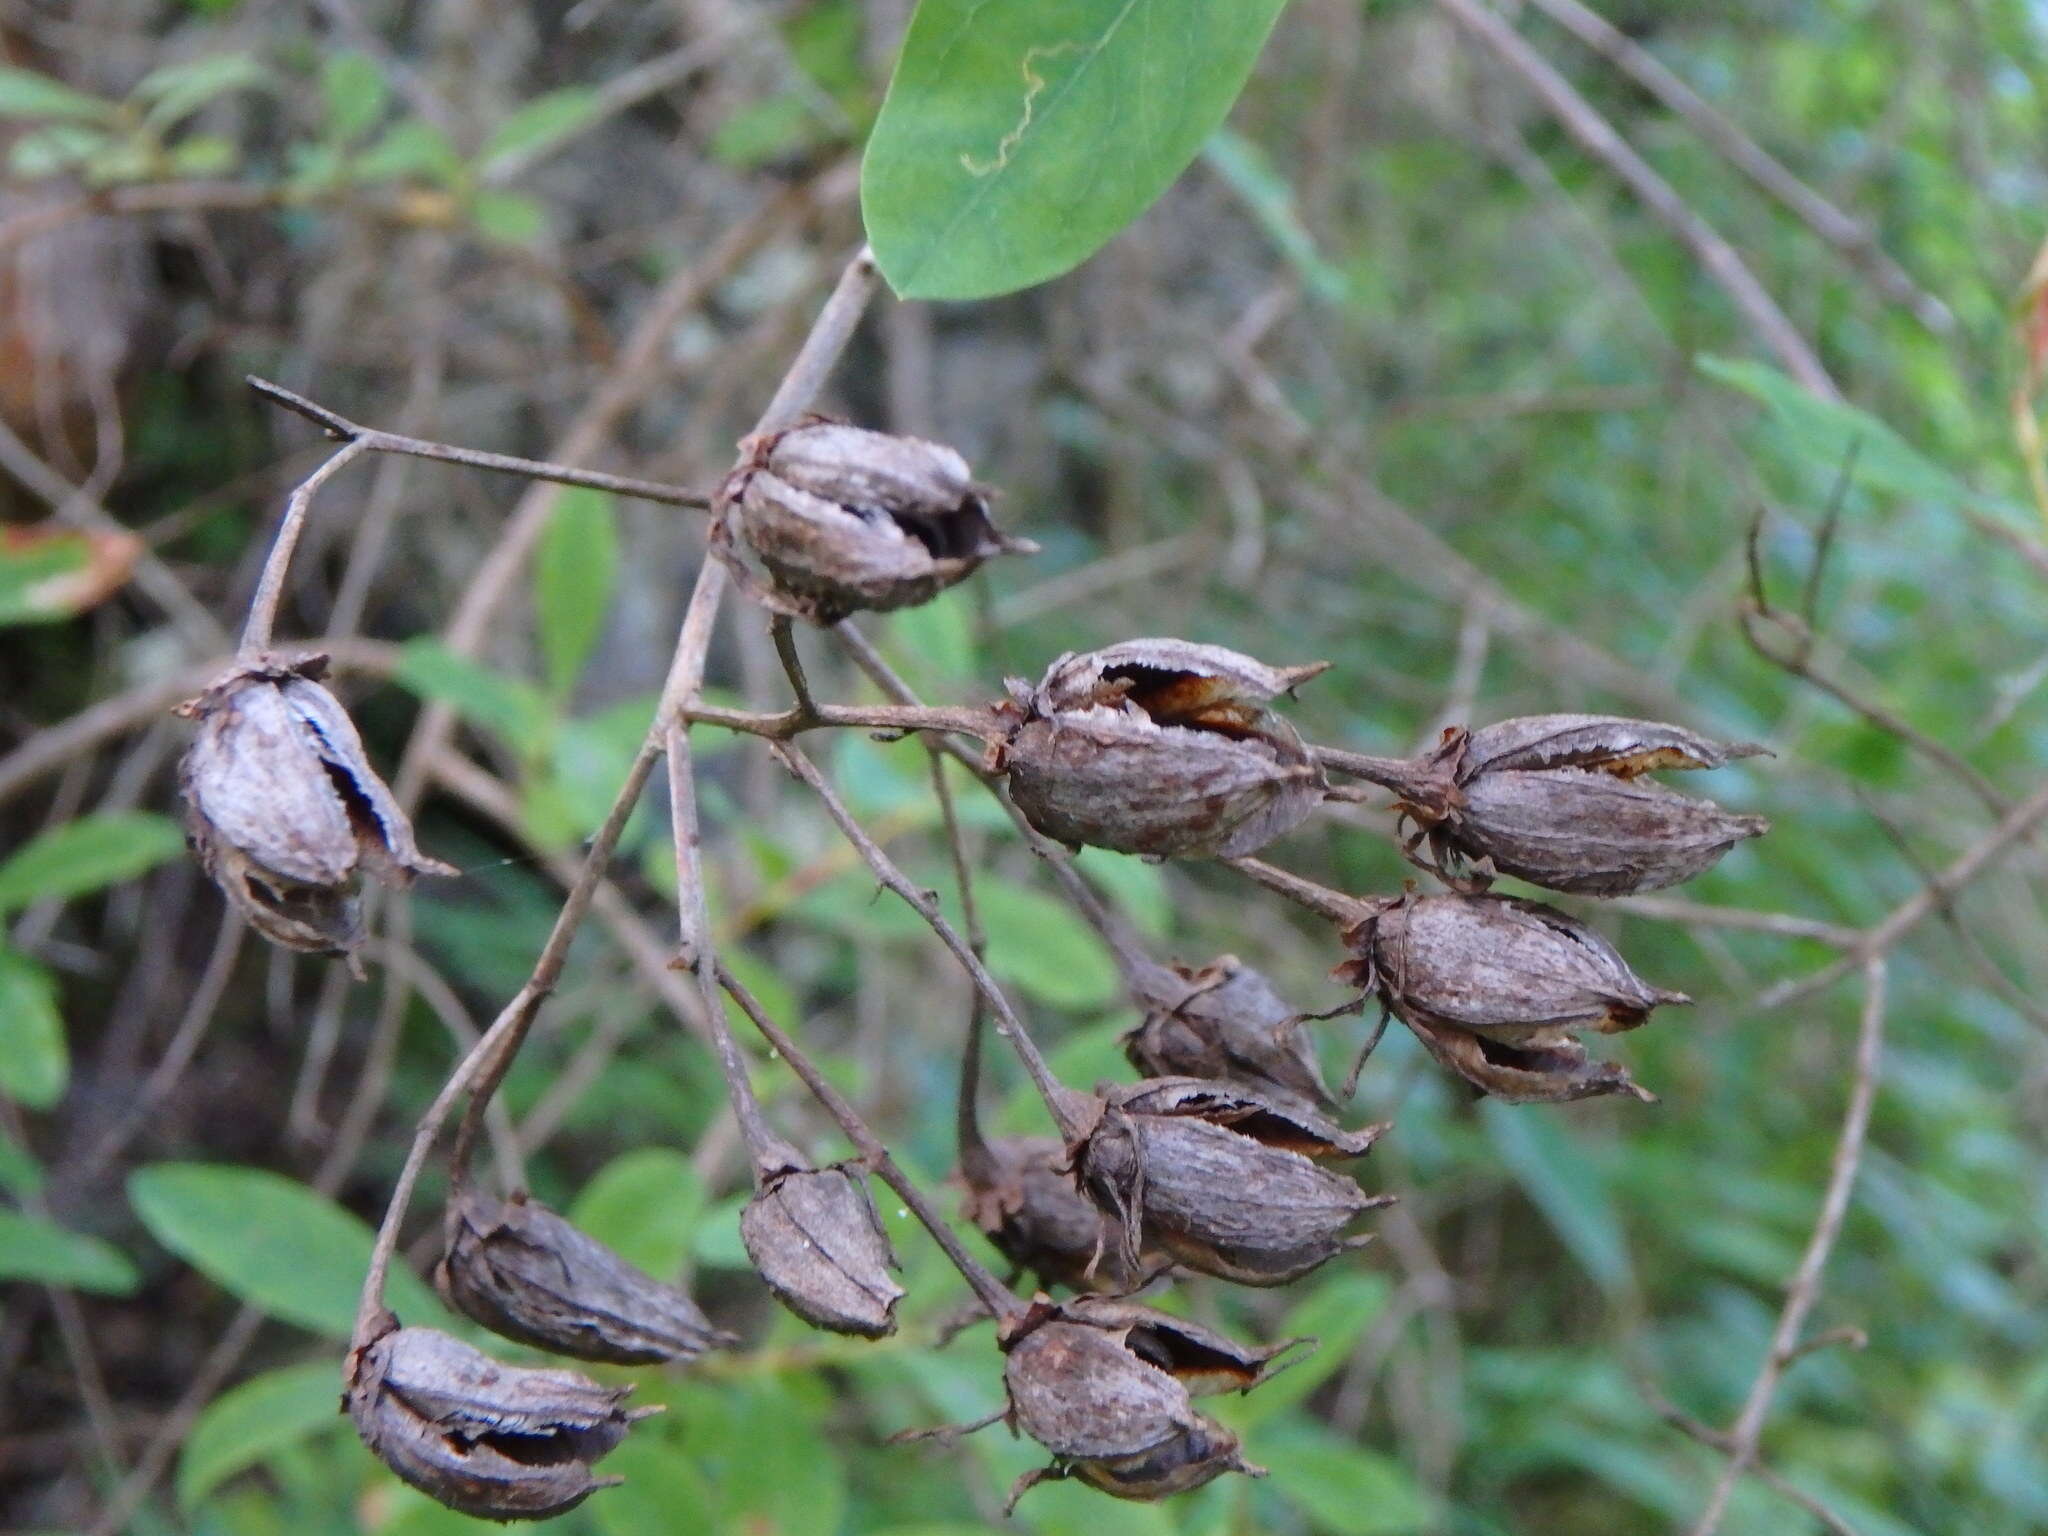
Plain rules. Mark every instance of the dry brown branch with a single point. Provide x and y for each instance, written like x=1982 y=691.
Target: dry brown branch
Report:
x=1848 y=236
x=1804 y=1290
x=1598 y=137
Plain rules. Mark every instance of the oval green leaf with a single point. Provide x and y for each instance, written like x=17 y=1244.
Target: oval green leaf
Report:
x=34 y=1061
x=33 y=1249
x=85 y=854
x=574 y=571
x=1039 y=945
x=247 y=1423
x=271 y=1241
x=1019 y=137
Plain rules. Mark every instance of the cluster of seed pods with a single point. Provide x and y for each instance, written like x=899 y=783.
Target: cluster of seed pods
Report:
x=1222 y=1159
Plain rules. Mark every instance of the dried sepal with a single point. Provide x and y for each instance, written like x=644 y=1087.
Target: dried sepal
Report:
x=815 y=1237
x=496 y=1441
x=284 y=809
x=1226 y=1022
x=1202 y=1360
x=1214 y=1198
x=1610 y=744
x=842 y=519
x=1160 y=747
x=1562 y=801
x=1109 y=1416
x=524 y=1273
x=1267 y=1116
x=1544 y=1067
x=1496 y=989
x=1021 y=1194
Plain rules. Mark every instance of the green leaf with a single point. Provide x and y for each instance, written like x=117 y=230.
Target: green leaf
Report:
x=247 y=1423
x=645 y=1205
x=1040 y=945
x=506 y=706
x=1139 y=888
x=1827 y=431
x=1564 y=1184
x=26 y=94
x=272 y=1241
x=34 y=1061
x=56 y=150
x=574 y=573
x=509 y=218
x=20 y=1173
x=1342 y=1486
x=85 y=854
x=33 y=1249
x=541 y=123
x=355 y=92
x=412 y=149
x=1016 y=140
x=177 y=90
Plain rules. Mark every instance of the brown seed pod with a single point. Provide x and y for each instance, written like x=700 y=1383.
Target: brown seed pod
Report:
x=496 y=1441
x=526 y=1274
x=1021 y=1194
x=1160 y=747
x=284 y=809
x=1561 y=801
x=843 y=520
x=1209 y=1193
x=1227 y=1023
x=1516 y=977
x=1272 y=1119
x=1108 y=1416
x=815 y=1238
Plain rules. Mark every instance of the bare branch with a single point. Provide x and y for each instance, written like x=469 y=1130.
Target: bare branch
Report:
x=1804 y=1289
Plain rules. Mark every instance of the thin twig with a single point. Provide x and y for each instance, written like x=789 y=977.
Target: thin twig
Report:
x=270 y=585
x=785 y=724
x=994 y=1295
x=1059 y=1100
x=1849 y=236
x=1804 y=1289
x=1599 y=139
x=1881 y=936
x=1717 y=1440
x=374 y=440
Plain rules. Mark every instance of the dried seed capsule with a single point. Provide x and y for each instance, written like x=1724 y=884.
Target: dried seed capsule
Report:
x=525 y=1273
x=1228 y=1024
x=284 y=809
x=1517 y=977
x=1212 y=1195
x=1561 y=801
x=1160 y=747
x=497 y=1441
x=844 y=519
x=1021 y=1194
x=1108 y=1416
x=815 y=1238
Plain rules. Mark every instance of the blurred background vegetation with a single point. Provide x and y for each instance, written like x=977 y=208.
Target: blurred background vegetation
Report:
x=1396 y=376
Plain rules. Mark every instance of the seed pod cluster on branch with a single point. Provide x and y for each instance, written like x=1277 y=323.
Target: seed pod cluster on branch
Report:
x=1223 y=1159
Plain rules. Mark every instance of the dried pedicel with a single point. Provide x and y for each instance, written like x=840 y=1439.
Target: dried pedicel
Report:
x=496 y=1441
x=1109 y=1417
x=815 y=1238
x=1160 y=747
x=284 y=809
x=1562 y=801
x=525 y=1273
x=1226 y=1023
x=1498 y=988
x=1181 y=1166
x=843 y=519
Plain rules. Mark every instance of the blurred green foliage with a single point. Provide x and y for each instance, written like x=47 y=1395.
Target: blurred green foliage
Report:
x=1486 y=330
